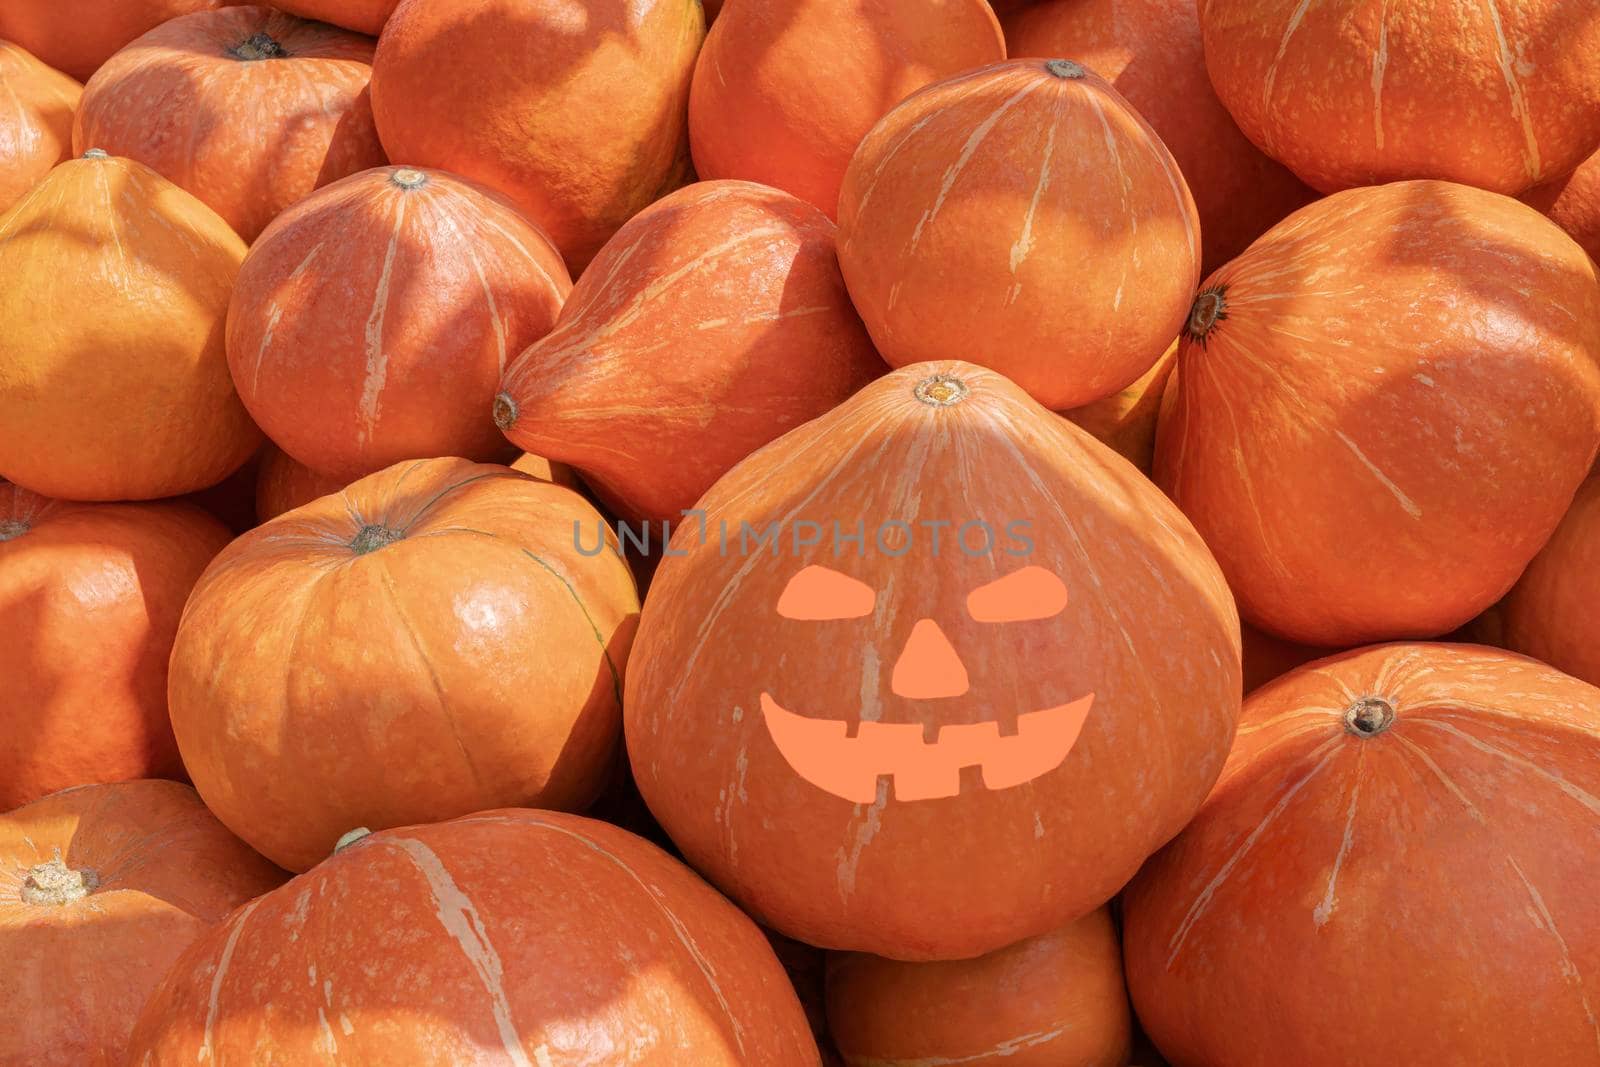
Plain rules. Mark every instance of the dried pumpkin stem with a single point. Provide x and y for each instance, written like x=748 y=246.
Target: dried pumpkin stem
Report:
x=258 y=46
x=1064 y=68
x=408 y=178
x=1209 y=308
x=505 y=411
x=349 y=838
x=941 y=390
x=372 y=538
x=1369 y=717
x=53 y=884
x=12 y=528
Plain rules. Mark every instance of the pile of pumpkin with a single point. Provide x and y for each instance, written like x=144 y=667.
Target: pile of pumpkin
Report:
x=324 y=488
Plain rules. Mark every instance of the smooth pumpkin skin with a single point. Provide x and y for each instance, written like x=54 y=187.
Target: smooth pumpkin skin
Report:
x=785 y=90
x=1126 y=421
x=36 y=131
x=249 y=136
x=77 y=36
x=1021 y=216
x=160 y=871
x=1150 y=51
x=1573 y=203
x=509 y=936
x=949 y=876
x=1551 y=613
x=1447 y=860
x=1349 y=93
x=578 y=113
x=113 y=380
x=372 y=320
x=90 y=595
x=319 y=683
x=363 y=16
x=1047 y=1001
x=1403 y=397
x=713 y=322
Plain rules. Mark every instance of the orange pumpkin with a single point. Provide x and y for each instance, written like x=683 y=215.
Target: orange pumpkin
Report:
x=76 y=36
x=1553 y=612
x=715 y=321
x=246 y=108
x=1047 y=1001
x=1024 y=217
x=363 y=16
x=931 y=752
x=1349 y=93
x=1396 y=867
x=1150 y=51
x=1573 y=203
x=90 y=596
x=524 y=937
x=784 y=90
x=1126 y=421
x=36 y=133
x=1383 y=408
x=429 y=642
x=448 y=283
x=101 y=888
x=113 y=381
x=576 y=112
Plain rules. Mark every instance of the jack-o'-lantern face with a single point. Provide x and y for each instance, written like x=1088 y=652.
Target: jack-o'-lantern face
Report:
x=927 y=668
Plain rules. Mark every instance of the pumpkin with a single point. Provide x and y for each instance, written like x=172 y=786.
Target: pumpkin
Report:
x=76 y=36
x=1349 y=93
x=429 y=642
x=363 y=16
x=113 y=380
x=101 y=888
x=514 y=936
x=785 y=90
x=283 y=484
x=579 y=115
x=971 y=215
x=246 y=108
x=721 y=302
x=90 y=596
x=448 y=283
x=1383 y=407
x=1150 y=51
x=1396 y=867
x=880 y=745
x=1573 y=203
x=1552 y=613
x=1126 y=421
x=1046 y=1001
x=37 y=133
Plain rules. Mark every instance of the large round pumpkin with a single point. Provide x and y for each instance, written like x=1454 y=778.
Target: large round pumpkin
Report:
x=713 y=322
x=1553 y=612
x=1150 y=51
x=512 y=936
x=1383 y=408
x=1346 y=92
x=1396 y=867
x=784 y=90
x=431 y=641
x=76 y=36
x=372 y=320
x=246 y=108
x=36 y=131
x=1573 y=203
x=113 y=380
x=363 y=16
x=101 y=888
x=90 y=596
x=1048 y=1001
x=576 y=112
x=1024 y=217
x=939 y=673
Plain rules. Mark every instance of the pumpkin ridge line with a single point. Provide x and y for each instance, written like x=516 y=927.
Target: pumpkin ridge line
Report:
x=616 y=679
x=416 y=517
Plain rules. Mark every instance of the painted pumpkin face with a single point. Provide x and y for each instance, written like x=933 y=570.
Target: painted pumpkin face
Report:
x=847 y=756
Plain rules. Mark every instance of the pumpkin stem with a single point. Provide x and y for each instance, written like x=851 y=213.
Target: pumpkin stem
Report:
x=97 y=153
x=505 y=411
x=372 y=538
x=1209 y=308
x=11 y=528
x=350 y=838
x=53 y=884
x=1064 y=68
x=941 y=390
x=1369 y=717
x=258 y=46
x=408 y=178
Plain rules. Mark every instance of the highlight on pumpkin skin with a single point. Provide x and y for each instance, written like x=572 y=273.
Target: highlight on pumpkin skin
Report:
x=39 y=134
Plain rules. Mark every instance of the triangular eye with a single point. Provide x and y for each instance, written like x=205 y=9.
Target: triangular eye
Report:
x=819 y=593
x=1031 y=593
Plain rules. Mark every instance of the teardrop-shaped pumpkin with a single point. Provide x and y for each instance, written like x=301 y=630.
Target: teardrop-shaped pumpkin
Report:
x=1553 y=612
x=715 y=320
x=247 y=108
x=1024 y=217
x=113 y=380
x=372 y=320
x=936 y=673
x=76 y=36
x=36 y=132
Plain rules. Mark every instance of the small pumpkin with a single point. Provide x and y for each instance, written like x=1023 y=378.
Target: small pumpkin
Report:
x=102 y=887
x=247 y=108
x=1551 y=613
x=77 y=36
x=430 y=641
x=113 y=380
x=371 y=321
x=36 y=133
x=1573 y=203
x=517 y=936
x=715 y=320
x=1021 y=216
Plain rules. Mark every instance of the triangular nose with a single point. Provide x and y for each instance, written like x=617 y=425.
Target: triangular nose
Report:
x=928 y=667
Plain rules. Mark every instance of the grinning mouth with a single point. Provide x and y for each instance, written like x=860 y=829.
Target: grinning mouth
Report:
x=822 y=752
